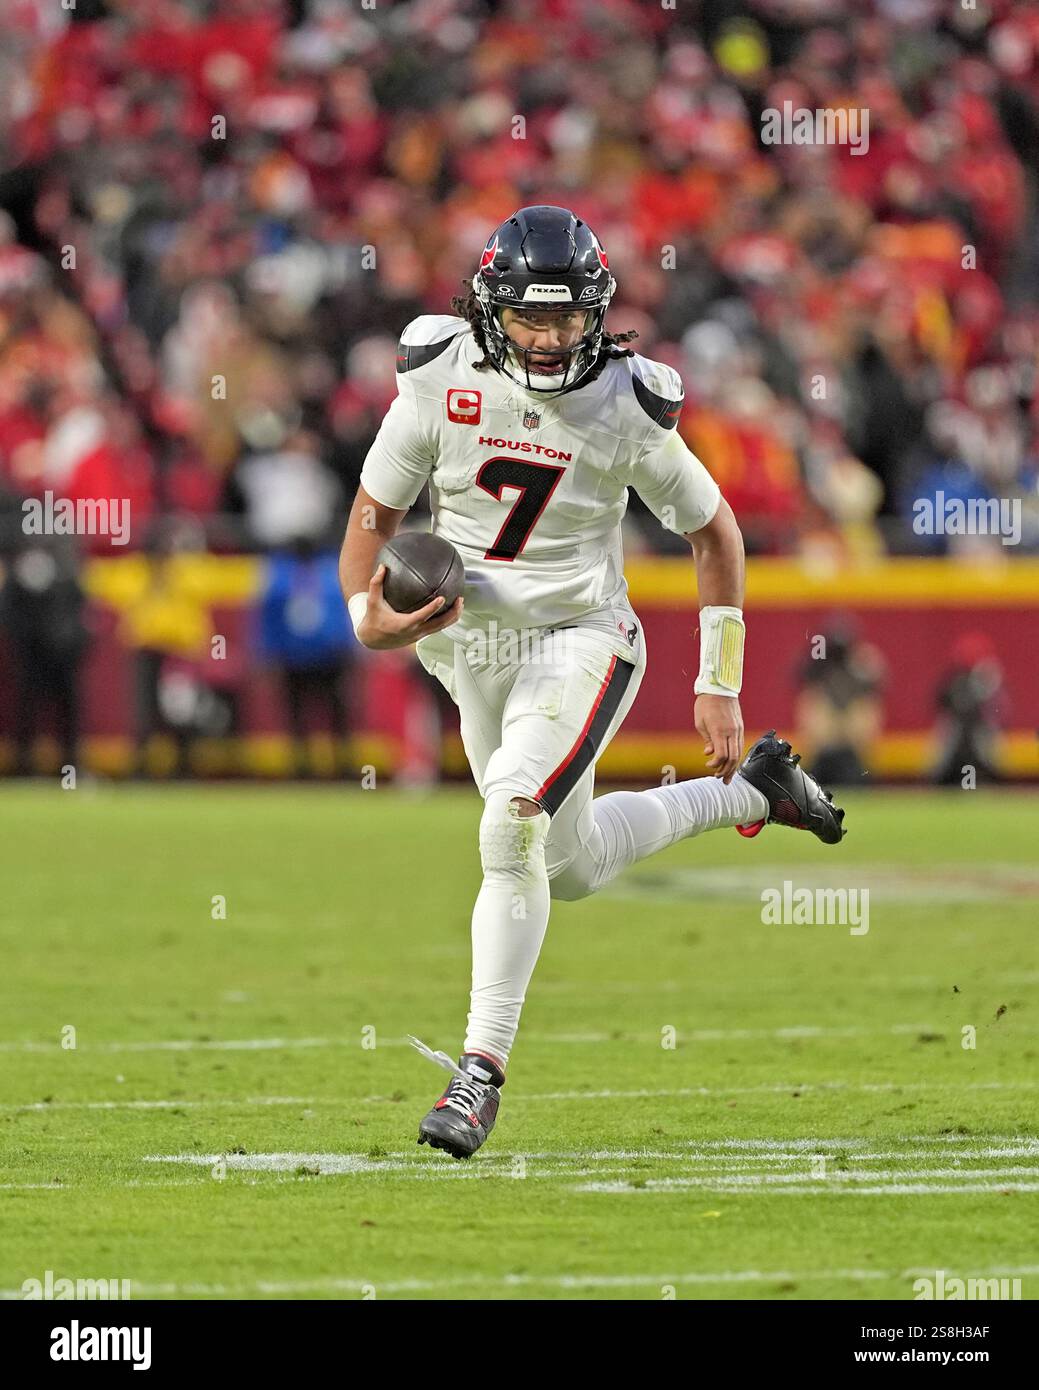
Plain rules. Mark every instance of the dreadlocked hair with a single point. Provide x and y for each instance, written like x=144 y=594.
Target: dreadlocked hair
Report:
x=467 y=307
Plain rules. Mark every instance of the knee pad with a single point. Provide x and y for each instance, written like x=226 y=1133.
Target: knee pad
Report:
x=510 y=843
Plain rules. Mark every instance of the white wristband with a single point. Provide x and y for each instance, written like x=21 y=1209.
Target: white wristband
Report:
x=357 y=607
x=722 y=633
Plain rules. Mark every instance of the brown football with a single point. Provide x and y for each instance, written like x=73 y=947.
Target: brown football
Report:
x=419 y=567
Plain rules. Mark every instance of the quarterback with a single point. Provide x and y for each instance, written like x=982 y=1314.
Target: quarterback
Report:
x=529 y=422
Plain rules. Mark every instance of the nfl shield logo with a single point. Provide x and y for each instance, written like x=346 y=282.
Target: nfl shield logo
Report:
x=531 y=420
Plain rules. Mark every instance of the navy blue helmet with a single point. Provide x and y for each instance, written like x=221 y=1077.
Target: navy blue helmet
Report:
x=544 y=258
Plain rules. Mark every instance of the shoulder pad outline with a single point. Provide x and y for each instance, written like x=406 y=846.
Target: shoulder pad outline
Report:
x=411 y=355
x=662 y=410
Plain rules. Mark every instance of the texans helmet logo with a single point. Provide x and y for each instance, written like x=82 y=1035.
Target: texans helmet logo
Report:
x=601 y=254
x=490 y=251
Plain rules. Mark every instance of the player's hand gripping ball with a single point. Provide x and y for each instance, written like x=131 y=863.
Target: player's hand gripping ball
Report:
x=419 y=568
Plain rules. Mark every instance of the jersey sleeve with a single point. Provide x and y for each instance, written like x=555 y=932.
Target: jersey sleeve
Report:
x=675 y=485
x=400 y=460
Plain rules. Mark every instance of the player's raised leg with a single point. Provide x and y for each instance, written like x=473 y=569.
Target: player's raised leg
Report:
x=592 y=841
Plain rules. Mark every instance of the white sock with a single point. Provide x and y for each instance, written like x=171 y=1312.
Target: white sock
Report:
x=634 y=825
x=509 y=923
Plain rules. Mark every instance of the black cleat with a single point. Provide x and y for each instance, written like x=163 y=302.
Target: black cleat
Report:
x=794 y=797
x=464 y=1116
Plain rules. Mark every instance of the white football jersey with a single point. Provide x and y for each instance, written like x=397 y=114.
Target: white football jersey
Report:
x=531 y=489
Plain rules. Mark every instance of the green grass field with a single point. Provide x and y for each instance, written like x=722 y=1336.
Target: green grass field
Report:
x=224 y=1128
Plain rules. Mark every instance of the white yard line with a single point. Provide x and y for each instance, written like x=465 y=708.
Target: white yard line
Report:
x=721 y=1186
x=835 y=1177
x=698 y=1278
x=189 y=1045
x=77 y=1187
x=875 y=1086
x=27 y=1186
x=283 y=1162
x=791 y=1031
x=850 y=1142
x=44 y=1105
x=716 y=1171
x=884 y=1155
x=735 y=1167
x=820 y=1187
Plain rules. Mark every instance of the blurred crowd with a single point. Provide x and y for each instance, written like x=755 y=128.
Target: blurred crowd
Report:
x=217 y=217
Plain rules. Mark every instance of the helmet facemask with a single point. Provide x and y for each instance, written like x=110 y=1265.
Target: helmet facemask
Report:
x=514 y=362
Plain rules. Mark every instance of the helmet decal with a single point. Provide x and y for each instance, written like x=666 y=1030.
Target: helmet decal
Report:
x=547 y=292
x=490 y=252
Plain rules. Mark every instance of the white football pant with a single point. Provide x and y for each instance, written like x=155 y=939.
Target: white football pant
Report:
x=535 y=716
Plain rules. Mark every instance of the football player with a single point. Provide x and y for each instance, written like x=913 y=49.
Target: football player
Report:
x=529 y=422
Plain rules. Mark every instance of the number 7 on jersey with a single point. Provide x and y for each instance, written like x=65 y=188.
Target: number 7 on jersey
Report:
x=536 y=483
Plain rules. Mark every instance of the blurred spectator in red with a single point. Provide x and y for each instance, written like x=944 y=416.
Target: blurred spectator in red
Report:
x=215 y=210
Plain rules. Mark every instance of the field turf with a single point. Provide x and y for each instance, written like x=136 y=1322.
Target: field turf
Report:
x=225 y=1127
